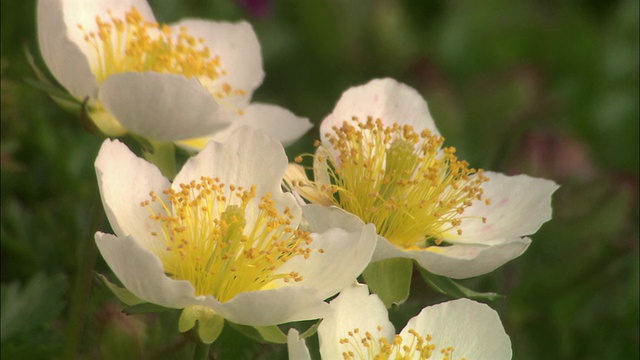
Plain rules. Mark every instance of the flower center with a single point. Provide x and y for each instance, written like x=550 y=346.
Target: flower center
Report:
x=217 y=244
x=368 y=347
x=414 y=191
x=136 y=45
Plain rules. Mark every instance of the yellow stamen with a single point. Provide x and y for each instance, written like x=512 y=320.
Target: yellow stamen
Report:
x=370 y=347
x=404 y=182
x=137 y=45
x=209 y=244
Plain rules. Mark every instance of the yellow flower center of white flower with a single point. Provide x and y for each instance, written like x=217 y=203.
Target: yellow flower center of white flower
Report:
x=369 y=347
x=413 y=190
x=209 y=244
x=137 y=45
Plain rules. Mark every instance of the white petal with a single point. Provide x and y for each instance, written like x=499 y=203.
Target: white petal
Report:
x=519 y=205
x=163 y=107
x=239 y=51
x=386 y=99
x=142 y=273
x=248 y=157
x=296 y=347
x=275 y=121
x=271 y=307
x=125 y=181
x=67 y=54
x=296 y=173
x=64 y=58
x=353 y=309
x=473 y=329
x=321 y=166
x=458 y=261
x=347 y=246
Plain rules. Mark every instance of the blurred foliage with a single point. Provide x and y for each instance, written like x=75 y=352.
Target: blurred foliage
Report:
x=539 y=87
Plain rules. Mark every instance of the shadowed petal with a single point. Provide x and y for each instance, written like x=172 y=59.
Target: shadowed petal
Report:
x=125 y=181
x=141 y=272
x=473 y=330
x=519 y=205
x=353 y=309
x=457 y=261
x=163 y=107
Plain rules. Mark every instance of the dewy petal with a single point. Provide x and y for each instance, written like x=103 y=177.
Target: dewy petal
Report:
x=387 y=99
x=239 y=51
x=296 y=347
x=270 y=307
x=353 y=309
x=519 y=205
x=163 y=107
x=278 y=122
x=125 y=181
x=347 y=246
x=142 y=273
x=473 y=329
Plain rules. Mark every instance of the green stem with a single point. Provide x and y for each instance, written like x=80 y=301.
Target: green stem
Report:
x=201 y=352
x=83 y=281
x=163 y=155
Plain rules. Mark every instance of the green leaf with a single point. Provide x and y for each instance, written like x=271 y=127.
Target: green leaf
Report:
x=209 y=323
x=122 y=294
x=311 y=330
x=163 y=156
x=26 y=309
x=449 y=287
x=390 y=279
x=271 y=334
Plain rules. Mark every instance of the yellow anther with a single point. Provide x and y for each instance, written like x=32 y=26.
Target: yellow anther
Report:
x=402 y=181
x=206 y=238
x=137 y=45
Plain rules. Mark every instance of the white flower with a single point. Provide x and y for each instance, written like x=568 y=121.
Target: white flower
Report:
x=223 y=236
x=185 y=81
x=359 y=328
x=381 y=158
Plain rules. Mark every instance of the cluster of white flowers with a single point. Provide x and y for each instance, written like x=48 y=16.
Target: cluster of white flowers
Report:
x=223 y=241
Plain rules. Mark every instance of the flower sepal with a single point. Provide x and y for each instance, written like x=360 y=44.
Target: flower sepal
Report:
x=57 y=93
x=123 y=294
x=145 y=308
x=450 y=287
x=207 y=323
x=390 y=279
x=262 y=334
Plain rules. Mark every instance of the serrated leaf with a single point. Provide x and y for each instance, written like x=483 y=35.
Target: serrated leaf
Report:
x=121 y=293
x=390 y=279
x=24 y=309
x=449 y=287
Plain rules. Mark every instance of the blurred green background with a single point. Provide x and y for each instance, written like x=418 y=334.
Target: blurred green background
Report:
x=546 y=88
